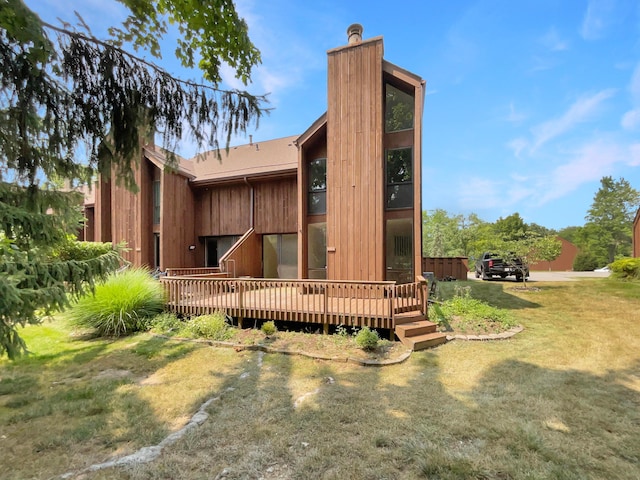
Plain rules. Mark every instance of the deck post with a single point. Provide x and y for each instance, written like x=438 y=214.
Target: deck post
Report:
x=240 y=290
x=325 y=329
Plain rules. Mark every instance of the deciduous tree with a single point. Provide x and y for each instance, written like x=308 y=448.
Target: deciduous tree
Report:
x=610 y=218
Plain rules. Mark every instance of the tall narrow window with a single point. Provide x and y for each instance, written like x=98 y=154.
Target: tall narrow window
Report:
x=317 y=187
x=317 y=250
x=398 y=112
x=399 y=172
x=280 y=256
x=399 y=246
x=156 y=202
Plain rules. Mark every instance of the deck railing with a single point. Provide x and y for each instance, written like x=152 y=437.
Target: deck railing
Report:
x=179 y=272
x=315 y=301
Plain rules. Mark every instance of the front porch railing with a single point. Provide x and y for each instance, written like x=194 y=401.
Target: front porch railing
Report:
x=373 y=304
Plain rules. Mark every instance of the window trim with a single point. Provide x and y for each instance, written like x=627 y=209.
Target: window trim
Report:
x=311 y=191
x=390 y=184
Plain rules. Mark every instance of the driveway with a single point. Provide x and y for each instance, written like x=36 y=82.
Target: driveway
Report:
x=546 y=276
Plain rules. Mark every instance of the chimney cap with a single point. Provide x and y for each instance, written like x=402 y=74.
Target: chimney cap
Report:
x=354 y=33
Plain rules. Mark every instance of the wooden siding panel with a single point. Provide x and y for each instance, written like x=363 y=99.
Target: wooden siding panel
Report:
x=125 y=221
x=355 y=215
x=276 y=206
x=177 y=220
x=245 y=257
x=223 y=210
x=103 y=210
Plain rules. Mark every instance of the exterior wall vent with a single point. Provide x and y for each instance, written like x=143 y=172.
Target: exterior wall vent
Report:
x=354 y=33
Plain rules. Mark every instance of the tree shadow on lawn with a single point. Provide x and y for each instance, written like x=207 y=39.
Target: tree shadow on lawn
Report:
x=494 y=294
x=65 y=411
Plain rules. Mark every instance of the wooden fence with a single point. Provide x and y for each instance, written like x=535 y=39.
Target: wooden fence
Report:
x=446 y=267
x=373 y=304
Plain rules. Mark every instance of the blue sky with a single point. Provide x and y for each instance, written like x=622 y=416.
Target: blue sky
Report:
x=529 y=103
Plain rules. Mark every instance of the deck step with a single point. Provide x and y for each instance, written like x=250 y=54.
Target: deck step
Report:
x=413 y=329
x=428 y=340
x=408 y=317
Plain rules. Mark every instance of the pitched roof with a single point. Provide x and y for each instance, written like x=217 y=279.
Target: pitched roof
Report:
x=254 y=159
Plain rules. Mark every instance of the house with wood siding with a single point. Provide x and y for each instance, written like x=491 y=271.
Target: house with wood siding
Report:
x=323 y=227
x=341 y=201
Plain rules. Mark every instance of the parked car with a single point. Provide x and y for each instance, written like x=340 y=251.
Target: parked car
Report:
x=491 y=264
x=603 y=269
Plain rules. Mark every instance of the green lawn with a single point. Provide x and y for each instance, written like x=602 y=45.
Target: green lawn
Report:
x=560 y=400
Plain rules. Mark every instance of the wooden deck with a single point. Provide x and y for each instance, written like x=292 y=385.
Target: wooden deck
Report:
x=373 y=304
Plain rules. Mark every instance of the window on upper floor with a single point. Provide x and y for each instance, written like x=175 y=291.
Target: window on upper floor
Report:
x=398 y=111
x=399 y=174
x=317 y=187
x=156 y=202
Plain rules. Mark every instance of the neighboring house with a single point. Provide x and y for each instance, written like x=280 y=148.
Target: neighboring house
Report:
x=564 y=262
x=636 y=235
x=342 y=201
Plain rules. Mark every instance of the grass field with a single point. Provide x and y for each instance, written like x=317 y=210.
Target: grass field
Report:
x=561 y=400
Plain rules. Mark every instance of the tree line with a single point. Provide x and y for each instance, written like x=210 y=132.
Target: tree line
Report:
x=605 y=236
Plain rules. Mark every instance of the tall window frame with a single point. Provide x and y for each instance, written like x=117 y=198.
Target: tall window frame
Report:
x=156 y=202
x=399 y=109
x=317 y=186
x=399 y=178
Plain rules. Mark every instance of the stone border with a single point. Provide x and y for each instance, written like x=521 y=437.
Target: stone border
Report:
x=346 y=359
x=266 y=349
x=491 y=336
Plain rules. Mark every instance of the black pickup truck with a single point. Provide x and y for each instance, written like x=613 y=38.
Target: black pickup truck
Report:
x=490 y=265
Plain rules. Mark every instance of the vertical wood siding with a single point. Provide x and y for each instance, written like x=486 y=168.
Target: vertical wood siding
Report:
x=245 y=257
x=276 y=206
x=355 y=174
x=126 y=222
x=223 y=210
x=177 y=222
x=102 y=230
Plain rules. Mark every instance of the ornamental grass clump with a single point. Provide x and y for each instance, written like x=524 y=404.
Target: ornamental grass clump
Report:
x=123 y=304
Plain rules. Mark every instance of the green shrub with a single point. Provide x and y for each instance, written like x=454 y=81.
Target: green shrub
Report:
x=463 y=305
x=585 y=262
x=626 y=268
x=269 y=328
x=165 y=322
x=213 y=327
x=76 y=250
x=367 y=339
x=124 y=303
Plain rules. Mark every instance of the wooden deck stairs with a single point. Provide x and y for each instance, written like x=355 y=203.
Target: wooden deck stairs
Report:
x=416 y=332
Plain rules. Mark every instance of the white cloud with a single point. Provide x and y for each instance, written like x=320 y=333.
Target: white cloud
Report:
x=518 y=145
x=631 y=120
x=590 y=163
x=597 y=19
x=486 y=193
x=634 y=155
x=552 y=41
x=515 y=116
x=634 y=86
x=581 y=110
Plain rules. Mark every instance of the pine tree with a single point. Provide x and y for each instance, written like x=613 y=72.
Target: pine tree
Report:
x=64 y=91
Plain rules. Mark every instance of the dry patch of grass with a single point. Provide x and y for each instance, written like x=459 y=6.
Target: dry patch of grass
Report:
x=561 y=400
x=339 y=347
